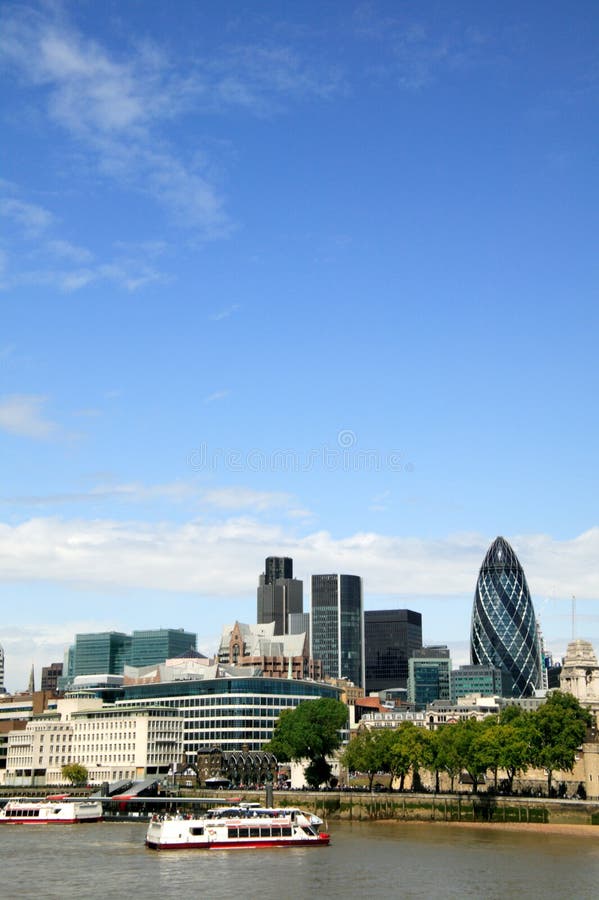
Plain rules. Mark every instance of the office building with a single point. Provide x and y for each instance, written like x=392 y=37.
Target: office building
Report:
x=109 y=652
x=504 y=629
x=113 y=743
x=429 y=676
x=337 y=626
x=390 y=637
x=279 y=594
x=50 y=676
x=224 y=707
x=148 y=647
x=485 y=681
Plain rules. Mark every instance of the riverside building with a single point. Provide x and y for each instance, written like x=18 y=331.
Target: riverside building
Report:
x=223 y=706
x=113 y=743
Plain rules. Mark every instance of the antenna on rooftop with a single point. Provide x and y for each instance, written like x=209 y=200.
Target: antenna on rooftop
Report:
x=573 y=617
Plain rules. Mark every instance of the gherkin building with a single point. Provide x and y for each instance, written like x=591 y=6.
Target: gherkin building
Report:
x=504 y=628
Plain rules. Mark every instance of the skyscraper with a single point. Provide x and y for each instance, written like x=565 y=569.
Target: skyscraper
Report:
x=337 y=626
x=390 y=637
x=504 y=629
x=276 y=567
x=279 y=594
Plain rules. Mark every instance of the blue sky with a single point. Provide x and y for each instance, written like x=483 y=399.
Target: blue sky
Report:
x=313 y=279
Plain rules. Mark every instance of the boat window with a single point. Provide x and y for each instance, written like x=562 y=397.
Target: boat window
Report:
x=233 y=832
x=286 y=831
x=196 y=830
x=254 y=832
x=243 y=832
x=276 y=831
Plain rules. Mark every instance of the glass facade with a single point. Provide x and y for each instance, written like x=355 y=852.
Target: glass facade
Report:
x=337 y=626
x=504 y=628
x=230 y=713
x=429 y=676
x=390 y=637
x=104 y=652
x=486 y=681
x=108 y=652
x=149 y=647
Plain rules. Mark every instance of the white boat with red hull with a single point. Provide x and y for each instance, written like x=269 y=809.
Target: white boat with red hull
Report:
x=61 y=809
x=235 y=828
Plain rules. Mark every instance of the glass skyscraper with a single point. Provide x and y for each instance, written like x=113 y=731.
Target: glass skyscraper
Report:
x=390 y=637
x=337 y=626
x=504 y=629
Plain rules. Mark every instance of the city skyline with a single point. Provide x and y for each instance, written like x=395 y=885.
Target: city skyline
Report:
x=317 y=282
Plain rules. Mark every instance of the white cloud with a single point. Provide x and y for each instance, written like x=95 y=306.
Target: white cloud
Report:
x=246 y=498
x=31 y=218
x=115 y=108
x=132 y=492
x=217 y=395
x=225 y=313
x=222 y=556
x=66 y=250
x=117 y=104
x=21 y=414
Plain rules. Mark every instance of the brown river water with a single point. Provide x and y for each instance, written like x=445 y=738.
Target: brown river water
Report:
x=364 y=860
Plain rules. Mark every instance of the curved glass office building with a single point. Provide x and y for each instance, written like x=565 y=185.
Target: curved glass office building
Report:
x=504 y=628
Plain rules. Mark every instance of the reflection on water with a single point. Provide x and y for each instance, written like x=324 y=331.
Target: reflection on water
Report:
x=364 y=860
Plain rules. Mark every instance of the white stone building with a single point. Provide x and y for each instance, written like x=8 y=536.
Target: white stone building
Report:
x=113 y=743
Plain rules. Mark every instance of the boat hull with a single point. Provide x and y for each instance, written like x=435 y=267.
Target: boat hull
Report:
x=322 y=841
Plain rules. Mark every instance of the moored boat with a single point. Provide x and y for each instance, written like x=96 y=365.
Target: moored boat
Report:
x=61 y=810
x=236 y=827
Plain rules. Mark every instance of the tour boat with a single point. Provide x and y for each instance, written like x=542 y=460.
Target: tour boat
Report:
x=236 y=827
x=62 y=810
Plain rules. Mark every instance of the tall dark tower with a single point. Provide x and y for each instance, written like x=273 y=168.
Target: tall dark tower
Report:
x=276 y=567
x=337 y=626
x=279 y=594
x=504 y=629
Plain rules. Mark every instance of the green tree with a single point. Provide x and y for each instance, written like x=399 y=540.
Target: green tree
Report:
x=470 y=750
x=310 y=731
x=516 y=736
x=406 y=750
x=448 y=753
x=75 y=773
x=366 y=753
x=489 y=744
x=431 y=754
x=558 y=728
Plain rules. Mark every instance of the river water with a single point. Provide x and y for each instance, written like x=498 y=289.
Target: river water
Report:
x=364 y=860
